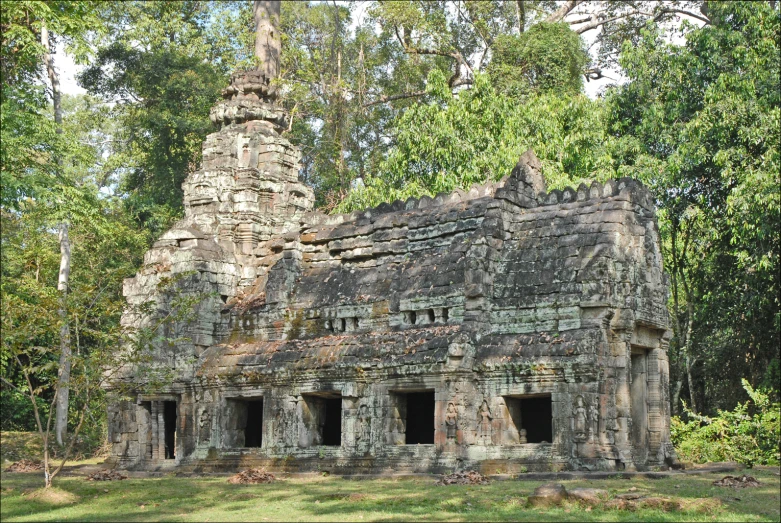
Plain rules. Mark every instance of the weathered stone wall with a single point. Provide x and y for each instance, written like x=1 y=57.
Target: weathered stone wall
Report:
x=504 y=328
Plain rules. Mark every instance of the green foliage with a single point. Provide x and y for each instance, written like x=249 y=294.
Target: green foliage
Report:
x=164 y=65
x=21 y=23
x=18 y=412
x=700 y=124
x=749 y=434
x=546 y=58
x=477 y=135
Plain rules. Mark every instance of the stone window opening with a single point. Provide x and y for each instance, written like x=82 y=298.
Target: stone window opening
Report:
x=337 y=325
x=431 y=316
x=532 y=414
x=444 y=315
x=322 y=418
x=416 y=411
x=244 y=417
x=410 y=317
x=253 y=431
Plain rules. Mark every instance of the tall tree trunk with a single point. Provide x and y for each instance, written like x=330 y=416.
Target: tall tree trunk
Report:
x=63 y=385
x=268 y=44
x=63 y=382
x=689 y=361
x=520 y=9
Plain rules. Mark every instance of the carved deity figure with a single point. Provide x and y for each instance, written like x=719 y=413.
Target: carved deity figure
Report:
x=593 y=426
x=523 y=438
x=451 y=421
x=484 y=424
x=579 y=415
x=204 y=425
x=363 y=431
x=280 y=426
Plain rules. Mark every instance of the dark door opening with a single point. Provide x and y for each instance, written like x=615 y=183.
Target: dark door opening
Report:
x=253 y=432
x=169 y=422
x=332 y=424
x=534 y=414
x=420 y=417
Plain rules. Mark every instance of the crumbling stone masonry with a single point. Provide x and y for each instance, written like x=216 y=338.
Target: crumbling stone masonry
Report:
x=505 y=328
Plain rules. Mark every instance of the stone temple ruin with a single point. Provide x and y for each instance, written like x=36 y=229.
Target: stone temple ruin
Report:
x=504 y=329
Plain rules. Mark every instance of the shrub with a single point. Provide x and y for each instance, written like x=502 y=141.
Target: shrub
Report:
x=749 y=434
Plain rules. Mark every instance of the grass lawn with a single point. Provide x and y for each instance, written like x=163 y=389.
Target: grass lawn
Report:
x=334 y=499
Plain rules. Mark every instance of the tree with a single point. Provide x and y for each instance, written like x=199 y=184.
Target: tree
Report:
x=163 y=65
x=268 y=41
x=699 y=124
x=466 y=34
x=477 y=136
x=23 y=22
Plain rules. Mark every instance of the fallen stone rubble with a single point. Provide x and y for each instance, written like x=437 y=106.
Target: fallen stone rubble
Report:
x=468 y=477
x=737 y=481
x=251 y=476
x=25 y=465
x=106 y=475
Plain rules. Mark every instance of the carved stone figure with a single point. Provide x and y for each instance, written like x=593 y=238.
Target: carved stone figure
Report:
x=523 y=439
x=484 y=426
x=451 y=421
x=363 y=428
x=593 y=426
x=204 y=425
x=579 y=416
x=280 y=427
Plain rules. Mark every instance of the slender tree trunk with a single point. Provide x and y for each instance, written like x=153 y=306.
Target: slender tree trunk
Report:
x=689 y=362
x=520 y=9
x=63 y=384
x=268 y=44
x=54 y=78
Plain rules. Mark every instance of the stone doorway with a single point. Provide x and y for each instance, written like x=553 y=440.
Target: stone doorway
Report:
x=638 y=394
x=160 y=419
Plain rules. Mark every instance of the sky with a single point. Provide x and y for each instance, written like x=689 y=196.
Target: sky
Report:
x=64 y=64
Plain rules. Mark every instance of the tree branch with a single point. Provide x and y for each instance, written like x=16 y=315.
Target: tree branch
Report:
x=563 y=11
x=455 y=55
x=682 y=12
x=596 y=21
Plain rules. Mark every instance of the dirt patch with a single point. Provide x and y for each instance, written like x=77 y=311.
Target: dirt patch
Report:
x=52 y=495
x=737 y=481
x=25 y=465
x=666 y=504
x=106 y=475
x=703 y=505
x=469 y=477
x=252 y=476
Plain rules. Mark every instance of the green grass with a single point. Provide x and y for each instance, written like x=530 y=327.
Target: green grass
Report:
x=28 y=445
x=335 y=499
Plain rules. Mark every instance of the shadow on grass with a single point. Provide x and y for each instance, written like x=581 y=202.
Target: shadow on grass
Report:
x=335 y=499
